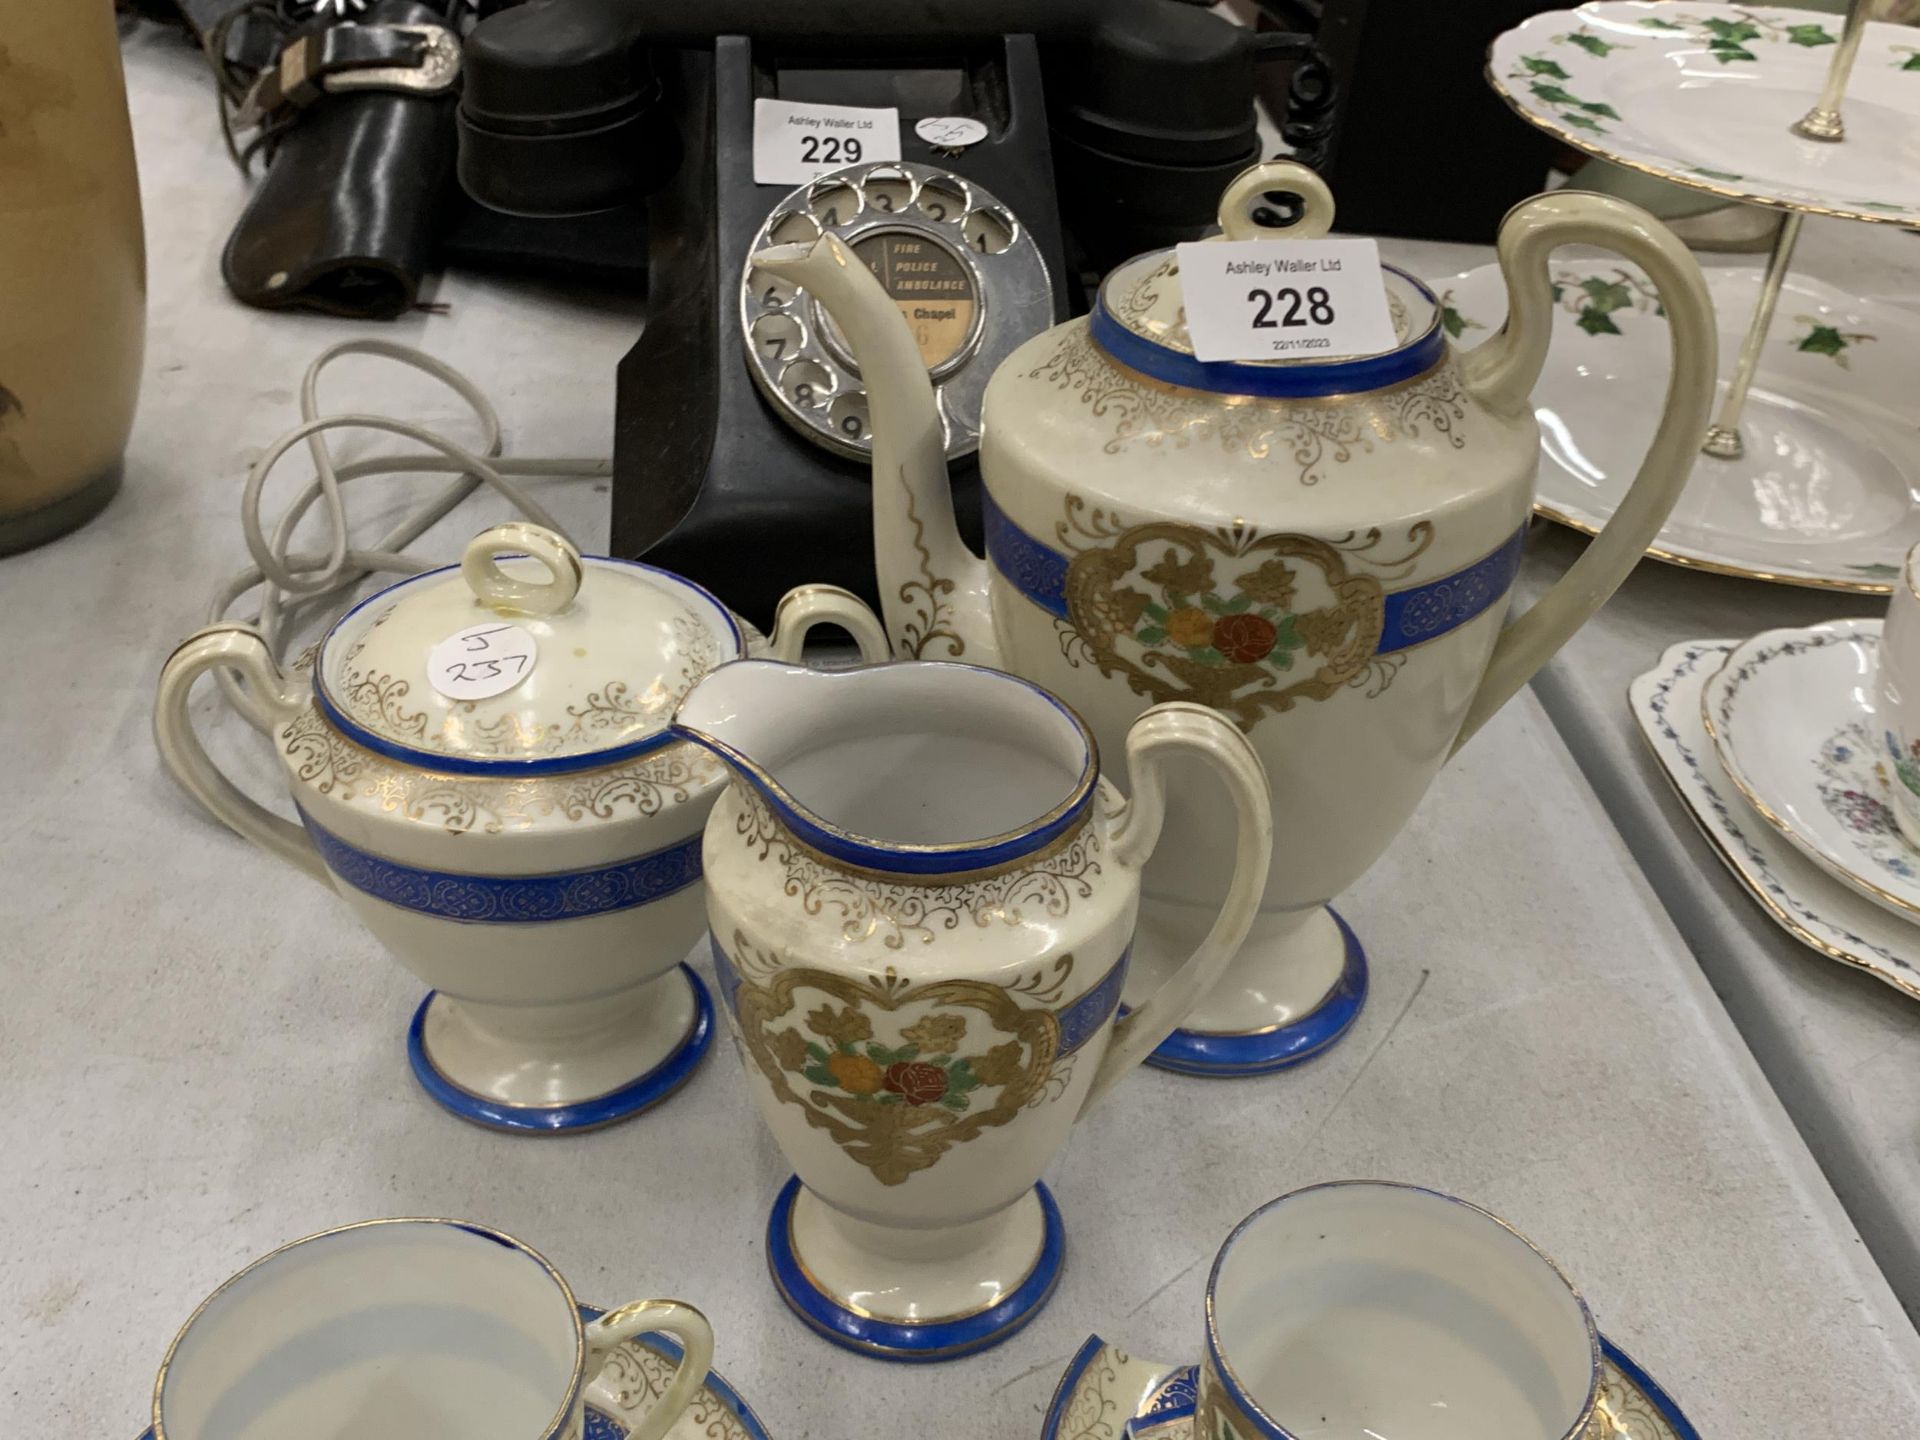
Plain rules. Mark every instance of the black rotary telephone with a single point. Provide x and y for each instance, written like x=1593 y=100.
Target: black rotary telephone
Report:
x=1040 y=142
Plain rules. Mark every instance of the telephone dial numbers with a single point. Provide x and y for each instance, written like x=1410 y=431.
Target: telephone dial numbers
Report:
x=968 y=279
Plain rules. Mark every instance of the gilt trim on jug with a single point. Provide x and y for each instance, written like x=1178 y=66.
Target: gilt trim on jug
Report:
x=896 y=1094
x=511 y=899
x=1311 y=432
x=874 y=903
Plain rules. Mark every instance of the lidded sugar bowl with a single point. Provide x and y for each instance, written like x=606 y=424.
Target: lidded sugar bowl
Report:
x=482 y=768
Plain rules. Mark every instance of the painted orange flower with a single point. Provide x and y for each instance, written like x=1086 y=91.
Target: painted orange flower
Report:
x=856 y=1073
x=1190 y=625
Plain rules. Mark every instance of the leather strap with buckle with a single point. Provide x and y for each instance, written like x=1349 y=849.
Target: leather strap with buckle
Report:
x=411 y=59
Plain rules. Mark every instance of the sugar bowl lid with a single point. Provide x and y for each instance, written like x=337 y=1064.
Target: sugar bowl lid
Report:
x=1140 y=318
x=523 y=659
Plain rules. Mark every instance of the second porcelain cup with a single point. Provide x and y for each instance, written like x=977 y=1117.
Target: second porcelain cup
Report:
x=407 y=1330
x=1897 y=692
x=1365 y=1308
x=922 y=894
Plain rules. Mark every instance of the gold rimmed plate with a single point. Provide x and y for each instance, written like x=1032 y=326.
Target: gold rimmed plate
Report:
x=1791 y=717
x=1705 y=94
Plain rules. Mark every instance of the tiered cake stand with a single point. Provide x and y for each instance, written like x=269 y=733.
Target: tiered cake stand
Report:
x=1810 y=474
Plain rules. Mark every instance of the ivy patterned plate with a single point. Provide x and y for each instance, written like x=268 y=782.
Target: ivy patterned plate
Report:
x=1791 y=716
x=1801 y=898
x=1704 y=95
x=1828 y=492
x=1106 y=1394
x=634 y=1377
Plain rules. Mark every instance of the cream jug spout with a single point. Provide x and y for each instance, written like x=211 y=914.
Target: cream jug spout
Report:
x=933 y=589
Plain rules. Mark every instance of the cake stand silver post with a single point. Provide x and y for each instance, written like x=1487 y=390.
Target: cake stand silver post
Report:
x=1823 y=122
x=1723 y=436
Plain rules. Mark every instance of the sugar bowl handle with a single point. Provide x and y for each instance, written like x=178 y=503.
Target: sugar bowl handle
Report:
x=676 y=1318
x=806 y=606
x=1165 y=731
x=1501 y=372
x=480 y=567
x=272 y=695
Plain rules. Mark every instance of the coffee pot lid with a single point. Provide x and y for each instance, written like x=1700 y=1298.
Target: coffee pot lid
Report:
x=1140 y=318
x=522 y=659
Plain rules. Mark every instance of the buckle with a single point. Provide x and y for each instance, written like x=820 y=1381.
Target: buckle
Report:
x=406 y=58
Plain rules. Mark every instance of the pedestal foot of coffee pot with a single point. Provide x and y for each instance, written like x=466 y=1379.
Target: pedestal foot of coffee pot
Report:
x=1230 y=1054
x=939 y=1296
x=505 y=1085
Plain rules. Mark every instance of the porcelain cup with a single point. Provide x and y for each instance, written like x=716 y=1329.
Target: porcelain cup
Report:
x=1897 y=692
x=407 y=1330
x=1366 y=1309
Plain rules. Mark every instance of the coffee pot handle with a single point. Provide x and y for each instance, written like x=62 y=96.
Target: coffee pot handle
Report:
x=676 y=1318
x=1161 y=734
x=806 y=606
x=273 y=697
x=1501 y=372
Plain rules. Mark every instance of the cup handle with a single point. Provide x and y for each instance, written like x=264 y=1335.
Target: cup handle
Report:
x=805 y=606
x=274 y=697
x=1501 y=372
x=1164 y=731
x=683 y=1323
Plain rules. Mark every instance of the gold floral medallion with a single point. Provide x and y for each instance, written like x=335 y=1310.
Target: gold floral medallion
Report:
x=894 y=1096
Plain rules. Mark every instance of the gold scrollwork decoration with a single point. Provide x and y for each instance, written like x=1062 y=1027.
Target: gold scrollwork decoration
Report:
x=1243 y=622
x=928 y=594
x=894 y=1105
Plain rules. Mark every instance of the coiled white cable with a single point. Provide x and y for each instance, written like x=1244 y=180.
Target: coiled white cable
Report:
x=289 y=581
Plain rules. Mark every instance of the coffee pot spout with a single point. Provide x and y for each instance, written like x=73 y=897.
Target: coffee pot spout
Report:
x=933 y=589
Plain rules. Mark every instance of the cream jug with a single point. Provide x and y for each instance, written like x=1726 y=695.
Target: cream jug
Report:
x=1320 y=550
x=922 y=896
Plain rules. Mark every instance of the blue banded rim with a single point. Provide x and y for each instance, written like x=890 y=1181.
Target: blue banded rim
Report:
x=966 y=858
x=555 y=1427
x=1273 y=1429
x=715 y=1384
x=1230 y=1056
x=911 y=1344
x=439 y=761
x=1630 y=1369
x=640 y=1094
x=1294 y=379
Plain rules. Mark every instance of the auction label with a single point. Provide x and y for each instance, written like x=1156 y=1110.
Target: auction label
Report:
x=794 y=141
x=482 y=661
x=1285 y=299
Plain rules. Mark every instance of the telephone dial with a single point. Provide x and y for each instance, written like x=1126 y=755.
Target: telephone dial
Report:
x=968 y=277
x=1066 y=136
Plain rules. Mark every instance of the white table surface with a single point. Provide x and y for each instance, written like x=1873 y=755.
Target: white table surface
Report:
x=202 y=1056
x=1841 y=1049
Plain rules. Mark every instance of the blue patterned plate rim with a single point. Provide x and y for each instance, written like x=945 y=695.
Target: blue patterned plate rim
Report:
x=715 y=1384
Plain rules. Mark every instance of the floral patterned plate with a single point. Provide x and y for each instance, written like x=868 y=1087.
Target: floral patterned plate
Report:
x=1791 y=716
x=636 y=1375
x=1801 y=898
x=1106 y=1394
x=1825 y=494
x=1704 y=95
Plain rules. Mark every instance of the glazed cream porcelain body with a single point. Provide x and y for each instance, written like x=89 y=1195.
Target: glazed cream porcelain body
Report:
x=922 y=894
x=1320 y=550
x=532 y=853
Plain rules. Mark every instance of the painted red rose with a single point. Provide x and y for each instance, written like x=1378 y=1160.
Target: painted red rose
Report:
x=916 y=1082
x=1244 y=638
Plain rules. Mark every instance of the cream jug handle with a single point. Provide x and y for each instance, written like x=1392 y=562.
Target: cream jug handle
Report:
x=676 y=1318
x=1161 y=733
x=805 y=606
x=1501 y=372
x=240 y=649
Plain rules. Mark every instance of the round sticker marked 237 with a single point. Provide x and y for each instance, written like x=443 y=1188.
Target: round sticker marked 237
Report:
x=482 y=661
